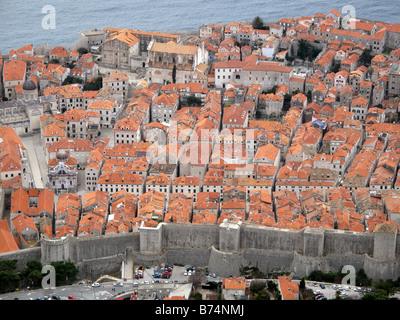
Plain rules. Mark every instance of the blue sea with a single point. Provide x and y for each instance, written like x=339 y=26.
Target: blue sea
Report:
x=21 y=21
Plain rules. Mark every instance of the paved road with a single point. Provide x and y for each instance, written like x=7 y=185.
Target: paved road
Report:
x=106 y=290
x=80 y=292
x=32 y=150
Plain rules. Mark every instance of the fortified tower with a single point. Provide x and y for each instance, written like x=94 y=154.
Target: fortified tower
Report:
x=385 y=236
x=229 y=236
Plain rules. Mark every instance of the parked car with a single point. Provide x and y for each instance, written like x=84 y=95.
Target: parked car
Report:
x=71 y=297
x=96 y=284
x=322 y=286
x=55 y=297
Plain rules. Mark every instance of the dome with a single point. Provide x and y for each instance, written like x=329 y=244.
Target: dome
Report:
x=62 y=156
x=29 y=85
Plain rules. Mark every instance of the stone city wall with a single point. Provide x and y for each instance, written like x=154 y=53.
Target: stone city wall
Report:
x=225 y=248
x=23 y=256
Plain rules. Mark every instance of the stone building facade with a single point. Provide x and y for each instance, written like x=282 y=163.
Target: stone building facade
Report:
x=164 y=57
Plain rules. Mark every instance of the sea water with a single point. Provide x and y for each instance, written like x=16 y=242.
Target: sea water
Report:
x=21 y=21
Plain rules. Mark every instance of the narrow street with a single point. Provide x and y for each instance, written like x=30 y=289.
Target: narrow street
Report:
x=37 y=159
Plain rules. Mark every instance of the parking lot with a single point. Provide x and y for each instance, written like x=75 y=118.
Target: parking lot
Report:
x=177 y=274
x=146 y=287
x=329 y=290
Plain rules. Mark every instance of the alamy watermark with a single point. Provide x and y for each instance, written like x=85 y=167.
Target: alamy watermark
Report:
x=49 y=20
x=348 y=17
x=350 y=278
x=49 y=280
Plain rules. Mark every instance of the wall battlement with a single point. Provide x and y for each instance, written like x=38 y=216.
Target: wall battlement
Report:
x=227 y=247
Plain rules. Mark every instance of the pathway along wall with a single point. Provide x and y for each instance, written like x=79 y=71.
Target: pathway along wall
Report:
x=227 y=247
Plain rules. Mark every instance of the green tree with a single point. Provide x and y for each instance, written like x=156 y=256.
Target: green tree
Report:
x=32 y=275
x=272 y=90
x=82 y=50
x=72 y=79
x=302 y=284
x=271 y=286
x=316 y=275
x=193 y=101
x=258 y=23
x=307 y=294
x=387 y=51
x=303 y=49
x=8 y=265
x=307 y=51
x=365 y=57
x=380 y=294
x=219 y=292
x=388 y=286
x=8 y=279
x=309 y=95
x=257 y=287
x=362 y=279
x=289 y=58
x=66 y=272
x=95 y=85
x=262 y=295
x=174 y=74
x=197 y=278
x=197 y=296
x=336 y=68
x=287 y=98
